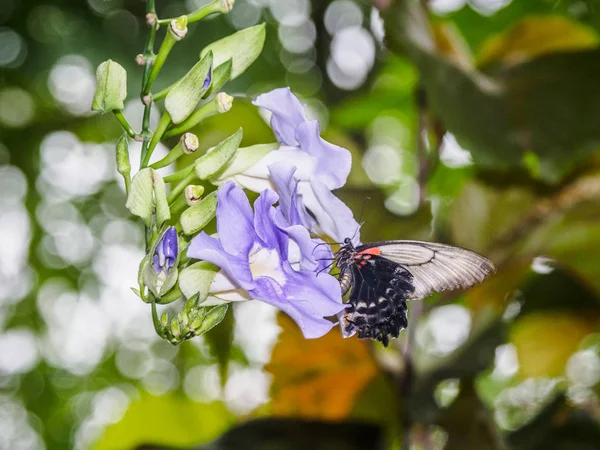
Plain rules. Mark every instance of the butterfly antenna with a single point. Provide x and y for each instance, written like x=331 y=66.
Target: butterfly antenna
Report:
x=360 y=222
x=325 y=243
x=325 y=268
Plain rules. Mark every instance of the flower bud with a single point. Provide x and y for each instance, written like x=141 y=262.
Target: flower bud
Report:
x=164 y=319
x=123 y=164
x=175 y=329
x=224 y=102
x=178 y=27
x=212 y=319
x=193 y=194
x=189 y=142
x=166 y=251
x=183 y=319
x=111 y=89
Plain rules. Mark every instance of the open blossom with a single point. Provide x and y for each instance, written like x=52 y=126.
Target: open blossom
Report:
x=262 y=256
x=305 y=166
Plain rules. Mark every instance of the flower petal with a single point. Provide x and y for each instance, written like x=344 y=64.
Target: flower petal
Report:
x=299 y=303
x=292 y=210
x=264 y=225
x=333 y=163
x=334 y=218
x=234 y=220
x=287 y=111
x=236 y=267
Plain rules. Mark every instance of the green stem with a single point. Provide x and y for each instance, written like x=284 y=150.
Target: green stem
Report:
x=217 y=6
x=161 y=57
x=179 y=175
x=124 y=123
x=164 y=123
x=149 y=57
x=198 y=116
x=178 y=205
x=162 y=94
x=155 y=319
x=177 y=190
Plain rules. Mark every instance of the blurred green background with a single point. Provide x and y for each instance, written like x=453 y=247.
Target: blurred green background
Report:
x=473 y=122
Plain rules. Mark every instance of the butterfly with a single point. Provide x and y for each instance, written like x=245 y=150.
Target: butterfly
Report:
x=382 y=276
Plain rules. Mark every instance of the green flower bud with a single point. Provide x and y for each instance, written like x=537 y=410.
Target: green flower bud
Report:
x=178 y=27
x=196 y=217
x=183 y=319
x=175 y=329
x=164 y=319
x=123 y=164
x=193 y=194
x=216 y=159
x=212 y=319
x=242 y=48
x=111 y=89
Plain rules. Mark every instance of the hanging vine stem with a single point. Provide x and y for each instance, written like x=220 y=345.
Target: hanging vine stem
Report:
x=148 y=58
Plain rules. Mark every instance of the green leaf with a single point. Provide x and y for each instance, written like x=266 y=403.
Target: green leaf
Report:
x=214 y=161
x=171 y=419
x=198 y=216
x=244 y=159
x=242 y=48
x=220 y=76
x=139 y=201
x=197 y=279
x=183 y=98
x=111 y=87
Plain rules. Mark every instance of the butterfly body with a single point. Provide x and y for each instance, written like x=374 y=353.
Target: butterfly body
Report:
x=382 y=276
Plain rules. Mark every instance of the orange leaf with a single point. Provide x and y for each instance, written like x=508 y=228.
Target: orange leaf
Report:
x=317 y=378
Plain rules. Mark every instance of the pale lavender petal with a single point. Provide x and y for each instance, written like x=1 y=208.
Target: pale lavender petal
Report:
x=287 y=111
x=282 y=174
x=334 y=218
x=234 y=220
x=303 y=310
x=264 y=224
x=332 y=162
x=236 y=267
x=322 y=254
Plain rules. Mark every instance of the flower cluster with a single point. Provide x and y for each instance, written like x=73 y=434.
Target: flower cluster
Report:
x=268 y=254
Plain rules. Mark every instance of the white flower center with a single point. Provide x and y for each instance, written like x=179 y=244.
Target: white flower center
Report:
x=266 y=263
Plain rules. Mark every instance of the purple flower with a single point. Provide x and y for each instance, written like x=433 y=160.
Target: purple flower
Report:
x=166 y=251
x=264 y=257
x=306 y=167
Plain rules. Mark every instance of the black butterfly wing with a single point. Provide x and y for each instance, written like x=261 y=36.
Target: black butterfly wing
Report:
x=434 y=267
x=377 y=301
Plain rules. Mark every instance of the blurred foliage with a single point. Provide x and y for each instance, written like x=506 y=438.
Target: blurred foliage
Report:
x=473 y=123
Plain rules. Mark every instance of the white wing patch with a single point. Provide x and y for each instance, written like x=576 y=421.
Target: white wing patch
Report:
x=437 y=267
